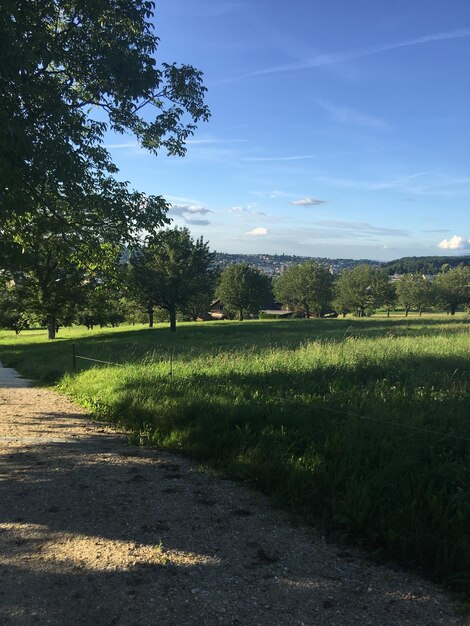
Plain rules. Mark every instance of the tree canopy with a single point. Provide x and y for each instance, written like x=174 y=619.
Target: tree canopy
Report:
x=414 y=292
x=170 y=271
x=69 y=72
x=244 y=289
x=362 y=289
x=453 y=288
x=308 y=286
x=423 y=264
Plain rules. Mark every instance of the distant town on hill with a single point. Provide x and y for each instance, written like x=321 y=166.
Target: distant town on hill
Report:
x=275 y=264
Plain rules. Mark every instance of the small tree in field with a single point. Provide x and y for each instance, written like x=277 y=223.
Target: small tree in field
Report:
x=170 y=271
x=362 y=289
x=308 y=286
x=244 y=289
x=453 y=288
x=414 y=292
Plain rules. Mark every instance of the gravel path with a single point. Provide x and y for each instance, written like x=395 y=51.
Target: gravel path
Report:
x=95 y=532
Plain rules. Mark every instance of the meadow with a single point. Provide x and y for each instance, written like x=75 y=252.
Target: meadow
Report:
x=359 y=426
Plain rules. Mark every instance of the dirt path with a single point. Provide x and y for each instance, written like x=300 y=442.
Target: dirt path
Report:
x=95 y=532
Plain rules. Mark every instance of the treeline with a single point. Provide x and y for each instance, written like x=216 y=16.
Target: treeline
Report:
x=171 y=276
x=424 y=264
x=311 y=288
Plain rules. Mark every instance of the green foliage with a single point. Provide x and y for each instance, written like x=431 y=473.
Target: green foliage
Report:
x=269 y=402
x=362 y=290
x=308 y=286
x=69 y=72
x=171 y=271
x=424 y=264
x=415 y=292
x=13 y=314
x=103 y=306
x=47 y=286
x=63 y=61
x=244 y=289
x=453 y=288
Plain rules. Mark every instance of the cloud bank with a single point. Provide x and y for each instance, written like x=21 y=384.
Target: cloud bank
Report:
x=455 y=243
x=190 y=213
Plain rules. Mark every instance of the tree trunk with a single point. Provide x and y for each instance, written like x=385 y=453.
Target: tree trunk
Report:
x=240 y=315
x=172 y=313
x=388 y=312
x=307 y=312
x=406 y=311
x=150 y=314
x=51 y=327
x=453 y=308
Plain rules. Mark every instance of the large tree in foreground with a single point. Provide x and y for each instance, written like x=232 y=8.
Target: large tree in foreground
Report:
x=244 y=289
x=308 y=286
x=69 y=72
x=170 y=271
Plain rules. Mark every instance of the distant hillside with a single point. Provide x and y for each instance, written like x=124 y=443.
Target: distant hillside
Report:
x=424 y=264
x=274 y=263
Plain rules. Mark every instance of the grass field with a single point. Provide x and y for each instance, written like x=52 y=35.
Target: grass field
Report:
x=330 y=417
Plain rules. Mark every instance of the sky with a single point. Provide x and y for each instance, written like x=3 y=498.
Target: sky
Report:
x=339 y=128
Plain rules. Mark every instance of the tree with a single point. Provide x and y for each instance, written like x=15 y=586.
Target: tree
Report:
x=49 y=287
x=13 y=314
x=170 y=271
x=414 y=292
x=362 y=289
x=51 y=270
x=389 y=297
x=244 y=289
x=308 y=286
x=104 y=304
x=69 y=72
x=453 y=288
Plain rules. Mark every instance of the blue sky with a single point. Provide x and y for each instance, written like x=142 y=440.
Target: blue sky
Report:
x=338 y=128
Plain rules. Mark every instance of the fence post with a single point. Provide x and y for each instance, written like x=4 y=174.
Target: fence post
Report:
x=74 y=360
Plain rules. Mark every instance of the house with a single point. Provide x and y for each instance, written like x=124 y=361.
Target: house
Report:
x=277 y=313
x=216 y=311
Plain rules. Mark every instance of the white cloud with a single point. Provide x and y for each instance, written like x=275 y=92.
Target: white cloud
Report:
x=455 y=243
x=190 y=213
x=257 y=232
x=189 y=209
x=248 y=210
x=321 y=60
x=308 y=202
x=362 y=228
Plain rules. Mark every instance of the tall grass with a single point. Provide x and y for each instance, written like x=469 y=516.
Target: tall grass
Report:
x=279 y=404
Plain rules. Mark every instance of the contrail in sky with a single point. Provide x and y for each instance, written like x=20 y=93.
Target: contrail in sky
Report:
x=336 y=57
